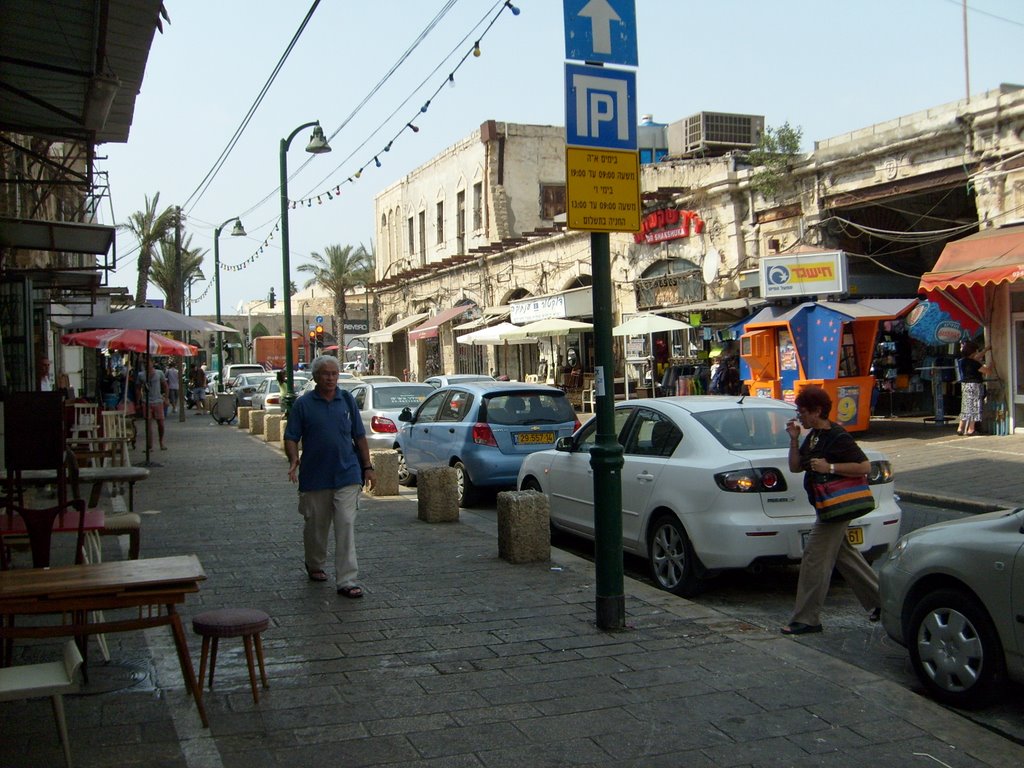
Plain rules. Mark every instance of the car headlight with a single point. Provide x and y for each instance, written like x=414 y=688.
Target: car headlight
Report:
x=901 y=548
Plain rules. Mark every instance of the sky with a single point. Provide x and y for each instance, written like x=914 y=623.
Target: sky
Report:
x=825 y=66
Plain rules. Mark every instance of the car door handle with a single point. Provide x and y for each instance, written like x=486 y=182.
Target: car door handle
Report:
x=646 y=476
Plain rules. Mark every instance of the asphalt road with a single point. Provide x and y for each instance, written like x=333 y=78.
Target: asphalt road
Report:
x=765 y=600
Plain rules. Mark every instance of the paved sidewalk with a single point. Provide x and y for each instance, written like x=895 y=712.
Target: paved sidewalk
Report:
x=456 y=658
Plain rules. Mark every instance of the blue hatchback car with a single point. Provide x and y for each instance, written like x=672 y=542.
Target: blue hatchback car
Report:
x=484 y=430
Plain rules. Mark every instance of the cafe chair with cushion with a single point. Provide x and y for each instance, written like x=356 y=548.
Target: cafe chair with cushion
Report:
x=53 y=679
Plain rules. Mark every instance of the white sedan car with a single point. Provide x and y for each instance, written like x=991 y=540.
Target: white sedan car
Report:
x=706 y=487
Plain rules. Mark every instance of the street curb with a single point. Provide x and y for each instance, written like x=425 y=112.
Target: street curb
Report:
x=973 y=506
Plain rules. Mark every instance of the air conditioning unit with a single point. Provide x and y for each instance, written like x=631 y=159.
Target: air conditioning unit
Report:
x=714 y=133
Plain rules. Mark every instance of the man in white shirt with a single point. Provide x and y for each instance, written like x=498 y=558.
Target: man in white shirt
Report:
x=45 y=380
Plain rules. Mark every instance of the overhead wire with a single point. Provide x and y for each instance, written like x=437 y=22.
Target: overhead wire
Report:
x=204 y=185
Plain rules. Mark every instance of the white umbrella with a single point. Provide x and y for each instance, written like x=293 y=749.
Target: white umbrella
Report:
x=492 y=337
x=553 y=326
x=355 y=348
x=648 y=324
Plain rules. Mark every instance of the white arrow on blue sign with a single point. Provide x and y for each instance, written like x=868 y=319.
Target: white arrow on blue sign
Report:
x=601 y=31
x=600 y=107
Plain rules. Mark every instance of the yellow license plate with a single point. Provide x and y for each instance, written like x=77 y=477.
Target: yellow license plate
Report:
x=855 y=536
x=534 y=438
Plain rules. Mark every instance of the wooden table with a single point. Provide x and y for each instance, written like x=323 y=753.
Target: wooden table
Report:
x=75 y=590
x=95 y=476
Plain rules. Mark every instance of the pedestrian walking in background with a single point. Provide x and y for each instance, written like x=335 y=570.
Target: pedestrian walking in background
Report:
x=156 y=401
x=173 y=382
x=971 y=370
x=199 y=388
x=829 y=451
x=334 y=466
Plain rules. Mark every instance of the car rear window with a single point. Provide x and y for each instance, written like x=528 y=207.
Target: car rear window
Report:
x=396 y=398
x=529 y=408
x=741 y=429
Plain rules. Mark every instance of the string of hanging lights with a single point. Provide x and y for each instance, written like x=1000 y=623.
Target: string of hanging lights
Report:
x=335 y=190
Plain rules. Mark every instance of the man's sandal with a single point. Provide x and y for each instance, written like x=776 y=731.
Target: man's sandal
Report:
x=354 y=591
x=317 y=574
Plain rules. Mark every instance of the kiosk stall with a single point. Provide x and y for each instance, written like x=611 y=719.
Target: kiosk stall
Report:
x=830 y=344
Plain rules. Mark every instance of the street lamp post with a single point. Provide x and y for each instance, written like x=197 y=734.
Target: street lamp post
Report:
x=317 y=145
x=237 y=231
x=305 y=346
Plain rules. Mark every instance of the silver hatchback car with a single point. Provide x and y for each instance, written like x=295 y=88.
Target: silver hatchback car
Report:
x=953 y=594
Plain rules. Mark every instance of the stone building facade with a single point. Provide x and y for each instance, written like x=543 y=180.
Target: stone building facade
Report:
x=477 y=227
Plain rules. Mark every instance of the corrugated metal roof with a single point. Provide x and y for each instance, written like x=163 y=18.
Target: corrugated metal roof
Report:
x=51 y=51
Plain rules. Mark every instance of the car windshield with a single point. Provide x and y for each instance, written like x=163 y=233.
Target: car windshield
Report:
x=396 y=398
x=748 y=429
x=516 y=408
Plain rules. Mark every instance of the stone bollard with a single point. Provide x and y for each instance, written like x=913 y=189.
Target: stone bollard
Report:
x=438 y=493
x=272 y=427
x=524 y=534
x=284 y=426
x=243 y=417
x=256 y=419
x=385 y=468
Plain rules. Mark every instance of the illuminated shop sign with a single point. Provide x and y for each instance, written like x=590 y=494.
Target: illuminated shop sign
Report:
x=668 y=224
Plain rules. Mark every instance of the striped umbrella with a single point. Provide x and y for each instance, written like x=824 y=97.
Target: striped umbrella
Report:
x=129 y=340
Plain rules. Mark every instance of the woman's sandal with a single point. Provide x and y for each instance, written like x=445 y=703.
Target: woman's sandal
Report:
x=317 y=574
x=353 y=591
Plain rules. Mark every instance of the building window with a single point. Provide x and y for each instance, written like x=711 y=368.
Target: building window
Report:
x=478 y=206
x=552 y=200
x=440 y=223
x=423 y=237
x=412 y=237
x=460 y=222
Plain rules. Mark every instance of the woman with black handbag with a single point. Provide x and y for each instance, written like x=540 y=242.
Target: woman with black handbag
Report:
x=827 y=455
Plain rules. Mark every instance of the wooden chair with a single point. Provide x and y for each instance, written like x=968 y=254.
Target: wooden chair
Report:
x=115 y=424
x=39 y=415
x=86 y=421
x=53 y=679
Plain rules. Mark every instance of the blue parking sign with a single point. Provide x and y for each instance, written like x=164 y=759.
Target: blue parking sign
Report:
x=600 y=107
x=601 y=31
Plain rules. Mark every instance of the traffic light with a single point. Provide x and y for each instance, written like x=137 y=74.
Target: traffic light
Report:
x=319 y=336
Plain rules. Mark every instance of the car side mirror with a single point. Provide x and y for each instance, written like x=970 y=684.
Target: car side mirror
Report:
x=405 y=415
x=564 y=444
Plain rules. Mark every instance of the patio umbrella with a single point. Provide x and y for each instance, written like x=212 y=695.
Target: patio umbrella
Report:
x=148 y=319
x=129 y=340
x=553 y=326
x=648 y=324
x=355 y=348
x=491 y=337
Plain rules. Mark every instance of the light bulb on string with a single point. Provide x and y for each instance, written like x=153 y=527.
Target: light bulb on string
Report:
x=515 y=11
x=376 y=161
x=328 y=193
x=412 y=127
x=358 y=173
x=426 y=106
x=337 y=189
x=476 y=49
x=387 y=147
x=451 y=80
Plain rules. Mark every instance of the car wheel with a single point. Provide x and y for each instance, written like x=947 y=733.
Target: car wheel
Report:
x=671 y=558
x=530 y=484
x=954 y=649
x=405 y=477
x=467 y=491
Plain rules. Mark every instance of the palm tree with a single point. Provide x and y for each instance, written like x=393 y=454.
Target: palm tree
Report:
x=339 y=269
x=149 y=228
x=164 y=276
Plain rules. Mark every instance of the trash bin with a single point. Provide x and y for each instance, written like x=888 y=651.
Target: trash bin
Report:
x=224 y=409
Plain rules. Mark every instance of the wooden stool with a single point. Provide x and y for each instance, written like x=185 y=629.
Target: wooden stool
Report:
x=232 y=622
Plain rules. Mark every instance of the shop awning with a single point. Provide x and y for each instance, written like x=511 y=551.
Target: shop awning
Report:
x=386 y=335
x=430 y=328
x=712 y=305
x=958 y=279
x=857 y=309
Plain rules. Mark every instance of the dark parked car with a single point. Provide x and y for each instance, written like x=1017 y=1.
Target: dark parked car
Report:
x=484 y=430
